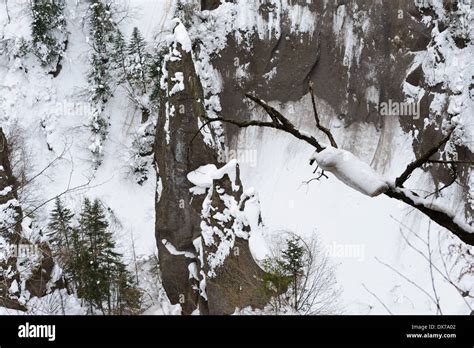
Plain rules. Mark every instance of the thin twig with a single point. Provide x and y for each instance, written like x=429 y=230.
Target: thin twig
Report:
x=318 y=122
x=378 y=299
x=420 y=161
x=407 y=279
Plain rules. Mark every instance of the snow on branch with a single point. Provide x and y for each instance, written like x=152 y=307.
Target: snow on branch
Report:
x=439 y=214
x=351 y=171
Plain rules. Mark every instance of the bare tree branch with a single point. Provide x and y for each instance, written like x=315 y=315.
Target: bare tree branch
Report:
x=445 y=275
x=316 y=117
x=430 y=261
x=442 y=218
x=8 y=12
x=450 y=162
x=420 y=161
x=378 y=299
x=407 y=279
x=451 y=182
x=278 y=122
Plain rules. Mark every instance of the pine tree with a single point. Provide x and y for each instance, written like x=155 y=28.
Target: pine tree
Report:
x=155 y=74
x=93 y=226
x=60 y=237
x=119 y=57
x=106 y=278
x=60 y=229
x=284 y=276
x=138 y=62
x=131 y=64
x=102 y=30
x=102 y=26
x=78 y=264
x=127 y=295
x=293 y=264
x=185 y=10
x=48 y=30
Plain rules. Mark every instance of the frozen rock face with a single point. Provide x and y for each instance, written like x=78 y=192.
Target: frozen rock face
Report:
x=177 y=213
x=20 y=277
x=353 y=51
x=180 y=149
x=232 y=278
x=9 y=230
x=358 y=54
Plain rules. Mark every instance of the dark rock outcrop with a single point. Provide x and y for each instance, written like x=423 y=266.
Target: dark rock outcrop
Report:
x=10 y=230
x=382 y=36
x=233 y=281
x=177 y=153
x=180 y=149
x=34 y=269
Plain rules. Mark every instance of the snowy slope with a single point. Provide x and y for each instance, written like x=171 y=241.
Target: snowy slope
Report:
x=55 y=112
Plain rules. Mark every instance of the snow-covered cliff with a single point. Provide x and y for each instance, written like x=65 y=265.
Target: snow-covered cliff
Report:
x=360 y=56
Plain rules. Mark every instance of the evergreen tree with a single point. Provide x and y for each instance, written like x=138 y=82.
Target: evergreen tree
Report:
x=93 y=226
x=106 y=278
x=155 y=74
x=60 y=228
x=61 y=238
x=131 y=64
x=185 y=10
x=99 y=80
x=78 y=263
x=48 y=30
x=138 y=62
x=127 y=295
x=92 y=266
x=119 y=57
x=292 y=256
x=293 y=264
x=102 y=30
x=102 y=26
x=284 y=276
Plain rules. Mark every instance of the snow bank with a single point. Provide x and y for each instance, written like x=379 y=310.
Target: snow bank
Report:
x=351 y=171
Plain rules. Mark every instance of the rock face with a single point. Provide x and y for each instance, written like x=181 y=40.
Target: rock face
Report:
x=18 y=274
x=180 y=149
x=10 y=230
x=347 y=48
x=358 y=55
x=232 y=277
